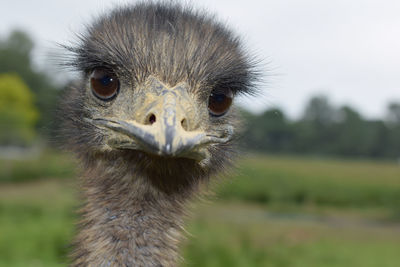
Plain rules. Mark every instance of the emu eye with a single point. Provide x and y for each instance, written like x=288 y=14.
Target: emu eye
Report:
x=219 y=101
x=104 y=84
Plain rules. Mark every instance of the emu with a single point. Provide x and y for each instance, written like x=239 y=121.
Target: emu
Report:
x=151 y=122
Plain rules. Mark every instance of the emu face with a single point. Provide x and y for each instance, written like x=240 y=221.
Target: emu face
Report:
x=156 y=118
x=156 y=90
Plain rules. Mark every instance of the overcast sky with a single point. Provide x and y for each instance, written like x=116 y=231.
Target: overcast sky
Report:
x=348 y=50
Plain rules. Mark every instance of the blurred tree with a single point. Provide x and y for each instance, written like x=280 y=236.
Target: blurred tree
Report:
x=394 y=113
x=319 y=111
x=15 y=57
x=350 y=133
x=393 y=123
x=269 y=131
x=18 y=114
x=377 y=136
x=19 y=41
x=314 y=132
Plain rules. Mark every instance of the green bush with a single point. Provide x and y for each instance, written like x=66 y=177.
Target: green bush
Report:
x=18 y=114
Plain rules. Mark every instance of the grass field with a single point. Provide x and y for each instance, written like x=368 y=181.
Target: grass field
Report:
x=275 y=211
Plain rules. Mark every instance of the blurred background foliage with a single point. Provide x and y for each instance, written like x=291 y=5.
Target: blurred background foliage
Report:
x=319 y=190
x=325 y=130
x=16 y=58
x=18 y=114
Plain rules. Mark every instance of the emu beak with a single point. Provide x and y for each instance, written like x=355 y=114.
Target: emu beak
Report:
x=166 y=130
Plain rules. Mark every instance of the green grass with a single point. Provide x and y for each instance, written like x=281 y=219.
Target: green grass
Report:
x=277 y=211
x=36 y=223
x=227 y=234
x=50 y=164
x=314 y=181
x=36 y=226
x=263 y=179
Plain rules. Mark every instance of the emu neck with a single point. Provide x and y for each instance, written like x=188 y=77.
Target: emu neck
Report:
x=127 y=222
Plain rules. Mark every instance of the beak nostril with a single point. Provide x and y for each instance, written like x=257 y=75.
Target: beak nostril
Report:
x=184 y=124
x=152 y=118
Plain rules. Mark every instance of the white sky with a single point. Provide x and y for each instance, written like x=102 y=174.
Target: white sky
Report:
x=346 y=49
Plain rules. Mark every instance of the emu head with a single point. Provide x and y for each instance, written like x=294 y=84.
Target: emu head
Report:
x=155 y=95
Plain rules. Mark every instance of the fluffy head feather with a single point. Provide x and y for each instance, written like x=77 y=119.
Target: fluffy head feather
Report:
x=176 y=45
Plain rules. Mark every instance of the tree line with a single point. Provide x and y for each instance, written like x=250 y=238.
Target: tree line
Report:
x=324 y=130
